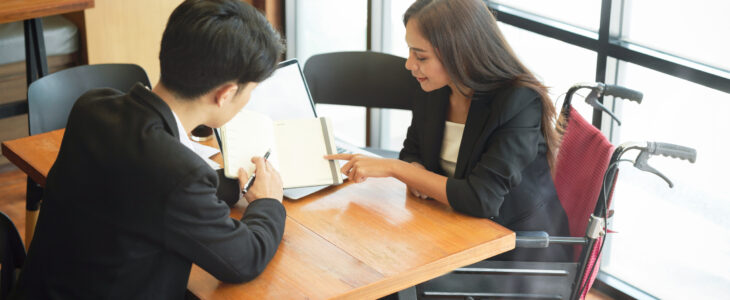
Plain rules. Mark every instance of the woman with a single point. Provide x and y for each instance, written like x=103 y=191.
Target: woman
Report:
x=483 y=140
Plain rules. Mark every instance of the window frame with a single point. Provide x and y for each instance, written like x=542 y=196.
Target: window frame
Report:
x=608 y=44
x=612 y=53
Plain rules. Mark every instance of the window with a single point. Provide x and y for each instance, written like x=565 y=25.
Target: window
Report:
x=314 y=33
x=692 y=30
x=582 y=13
x=395 y=122
x=674 y=243
x=394 y=32
x=557 y=65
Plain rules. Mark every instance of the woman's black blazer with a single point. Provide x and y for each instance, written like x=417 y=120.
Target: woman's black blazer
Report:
x=502 y=171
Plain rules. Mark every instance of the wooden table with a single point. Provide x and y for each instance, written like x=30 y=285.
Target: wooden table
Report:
x=354 y=241
x=19 y=10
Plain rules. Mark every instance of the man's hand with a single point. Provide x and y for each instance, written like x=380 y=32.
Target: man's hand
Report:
x=267 y=183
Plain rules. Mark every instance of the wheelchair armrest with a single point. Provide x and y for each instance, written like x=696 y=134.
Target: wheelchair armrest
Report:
x=532 y=239
x=541 y=239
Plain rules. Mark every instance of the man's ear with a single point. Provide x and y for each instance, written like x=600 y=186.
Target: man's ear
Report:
x=224 y=93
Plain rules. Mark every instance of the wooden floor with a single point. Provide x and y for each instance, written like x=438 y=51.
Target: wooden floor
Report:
x=12 y=203
x=12 y=196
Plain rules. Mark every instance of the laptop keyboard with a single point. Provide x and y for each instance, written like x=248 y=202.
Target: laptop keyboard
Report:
x=341 y=150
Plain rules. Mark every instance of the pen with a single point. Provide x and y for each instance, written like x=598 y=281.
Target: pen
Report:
x=249 y=182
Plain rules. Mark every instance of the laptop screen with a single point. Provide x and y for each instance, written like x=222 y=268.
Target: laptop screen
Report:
x=284 y=95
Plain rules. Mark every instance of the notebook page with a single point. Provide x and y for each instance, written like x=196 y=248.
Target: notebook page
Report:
x=302 y=143
x=247 y=135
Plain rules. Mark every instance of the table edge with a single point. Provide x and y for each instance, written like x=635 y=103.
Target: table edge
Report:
x=23 y=165
x=443 y=266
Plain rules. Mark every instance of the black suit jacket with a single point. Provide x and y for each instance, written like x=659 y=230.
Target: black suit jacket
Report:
x=501 y=171
x=128 y=209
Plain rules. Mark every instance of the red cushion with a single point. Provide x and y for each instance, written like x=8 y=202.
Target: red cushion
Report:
x=582 y=160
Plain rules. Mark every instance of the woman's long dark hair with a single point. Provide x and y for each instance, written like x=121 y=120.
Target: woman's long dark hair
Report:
x=467 y=41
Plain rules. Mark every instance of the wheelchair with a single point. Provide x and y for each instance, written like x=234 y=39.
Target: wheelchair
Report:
x=585 y=173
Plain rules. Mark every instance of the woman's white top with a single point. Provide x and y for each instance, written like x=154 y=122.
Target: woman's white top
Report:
x=450 y=147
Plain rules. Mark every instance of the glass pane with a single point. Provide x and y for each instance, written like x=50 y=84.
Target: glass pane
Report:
x=315 y=34
x=558 y=65
x=695 y=30
x=348 y=122
x=394 y=33
x=396 y=122
x=582 y=13
x=674 y=243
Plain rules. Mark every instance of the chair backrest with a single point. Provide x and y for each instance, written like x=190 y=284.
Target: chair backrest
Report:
x=12 y=255
x=369 y=79
x=581 y=163
x=50 y=98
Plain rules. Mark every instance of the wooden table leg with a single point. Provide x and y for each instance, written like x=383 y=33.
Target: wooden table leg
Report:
x=33 y=196
x=31 y=217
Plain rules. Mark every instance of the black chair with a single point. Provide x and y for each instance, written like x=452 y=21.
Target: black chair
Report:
x=368 y=79
x=50 y=99
x=12 y=255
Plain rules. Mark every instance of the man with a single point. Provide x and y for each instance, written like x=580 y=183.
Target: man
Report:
x=128 y=207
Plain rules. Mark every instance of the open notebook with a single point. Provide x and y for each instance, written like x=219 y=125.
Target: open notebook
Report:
x=296 y=146
x=285 y=96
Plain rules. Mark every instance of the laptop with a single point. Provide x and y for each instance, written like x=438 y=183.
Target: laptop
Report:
x=285 y=95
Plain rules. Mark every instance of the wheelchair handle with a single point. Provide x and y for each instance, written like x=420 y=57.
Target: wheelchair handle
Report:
x=592 y=100
x=599 y=89
x=622 y=92
x=672 y=150
x=655 y=148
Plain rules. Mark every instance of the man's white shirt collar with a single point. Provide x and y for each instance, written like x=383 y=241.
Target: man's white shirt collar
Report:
x=200 y=150
x=184 y=139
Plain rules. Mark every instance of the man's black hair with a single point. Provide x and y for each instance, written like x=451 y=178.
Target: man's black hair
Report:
x=209 y=42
